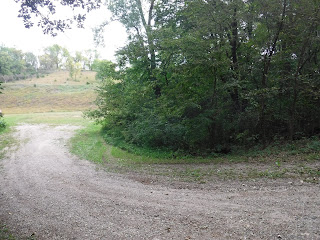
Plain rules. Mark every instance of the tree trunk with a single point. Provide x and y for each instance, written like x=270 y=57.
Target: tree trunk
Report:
x=267 y=62
x=151 y=47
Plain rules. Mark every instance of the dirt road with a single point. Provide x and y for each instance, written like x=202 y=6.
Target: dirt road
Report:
x=47 y=193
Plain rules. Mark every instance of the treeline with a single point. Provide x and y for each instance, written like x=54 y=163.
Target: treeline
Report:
x=15 y=64
x=208 y=75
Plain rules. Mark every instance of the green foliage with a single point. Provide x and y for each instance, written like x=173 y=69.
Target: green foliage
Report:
x=3 y=124
x=89 y=145
x=15 y=62
x=205 y=76
x=32 y=12
x=105 y=69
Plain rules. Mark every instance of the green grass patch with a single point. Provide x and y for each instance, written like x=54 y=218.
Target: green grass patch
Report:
x=5 y=233
x=156 y=157
x=6 y=139
x=52 y=118
x=88 y=144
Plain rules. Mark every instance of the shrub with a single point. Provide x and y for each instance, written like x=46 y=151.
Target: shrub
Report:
x=3 y=124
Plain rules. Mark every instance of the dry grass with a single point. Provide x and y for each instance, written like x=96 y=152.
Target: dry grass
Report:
x=51 y=93
x=61 y=78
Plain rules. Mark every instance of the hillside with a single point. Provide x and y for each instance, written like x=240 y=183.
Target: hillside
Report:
x=54 y=92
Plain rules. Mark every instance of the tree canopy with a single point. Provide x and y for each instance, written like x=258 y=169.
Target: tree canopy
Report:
x=44 y=10
x=207 y=75
x=214 y=74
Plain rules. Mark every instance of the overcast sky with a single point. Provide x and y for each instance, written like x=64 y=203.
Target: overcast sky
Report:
x=14 y=34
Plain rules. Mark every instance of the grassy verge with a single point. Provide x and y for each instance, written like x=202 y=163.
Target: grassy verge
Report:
x=6 y=140
x=299 y=160
x=88 y=144
x=52 y=118
x=5 y=233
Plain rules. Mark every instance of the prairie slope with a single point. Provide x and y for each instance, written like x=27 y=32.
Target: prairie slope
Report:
x=54 y=92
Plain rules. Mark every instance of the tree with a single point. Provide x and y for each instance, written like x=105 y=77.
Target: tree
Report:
x=90 y=57
x=105 y=70
x=229 y=72
x=31 y=61
x=207 y=75
x=54 y=53
x=44 y=10
x=11 y=61
x=74 y=67
x=140 y=26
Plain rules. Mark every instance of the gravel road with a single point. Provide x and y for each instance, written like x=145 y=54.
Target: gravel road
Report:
x=48 y=193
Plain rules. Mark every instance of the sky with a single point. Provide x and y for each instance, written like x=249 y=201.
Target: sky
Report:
x=14 y=34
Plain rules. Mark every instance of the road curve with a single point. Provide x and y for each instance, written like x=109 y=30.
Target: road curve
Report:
x=48 y=193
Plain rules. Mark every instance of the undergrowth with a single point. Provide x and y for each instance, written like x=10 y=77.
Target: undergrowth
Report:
x=278 y=161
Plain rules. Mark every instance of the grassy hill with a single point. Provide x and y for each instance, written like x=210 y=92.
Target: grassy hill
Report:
x=54 y=92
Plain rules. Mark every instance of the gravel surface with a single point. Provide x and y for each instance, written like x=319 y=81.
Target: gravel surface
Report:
x=48 y=193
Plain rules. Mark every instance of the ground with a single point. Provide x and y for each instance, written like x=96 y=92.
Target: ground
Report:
x=54 y=92
x=48 y=193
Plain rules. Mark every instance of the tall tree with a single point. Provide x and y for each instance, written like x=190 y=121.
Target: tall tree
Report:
x=55 y=53
x=138 y=18
x=31 y=61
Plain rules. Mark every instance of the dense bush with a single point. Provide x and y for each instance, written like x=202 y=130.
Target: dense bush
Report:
x=209 y=75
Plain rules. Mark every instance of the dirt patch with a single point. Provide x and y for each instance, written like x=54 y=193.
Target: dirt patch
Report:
x=48 y=193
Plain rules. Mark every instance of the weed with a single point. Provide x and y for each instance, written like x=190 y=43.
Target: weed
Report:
x=3 y=124
x=5 y=233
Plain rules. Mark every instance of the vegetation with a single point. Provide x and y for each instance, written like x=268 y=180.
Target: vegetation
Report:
x=42 y=10
x=51 y=93
x=56 y=57
x=89 y=145
x=14 y=64
x=297 y=160
x=206 y=76
x=3 y=124
x=5 y=233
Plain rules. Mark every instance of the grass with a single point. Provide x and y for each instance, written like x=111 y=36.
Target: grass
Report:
x=88 y=144
x=51 y=118
x=52 y=93
x=6 y=140
x=61 y=78
x=5 y=233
